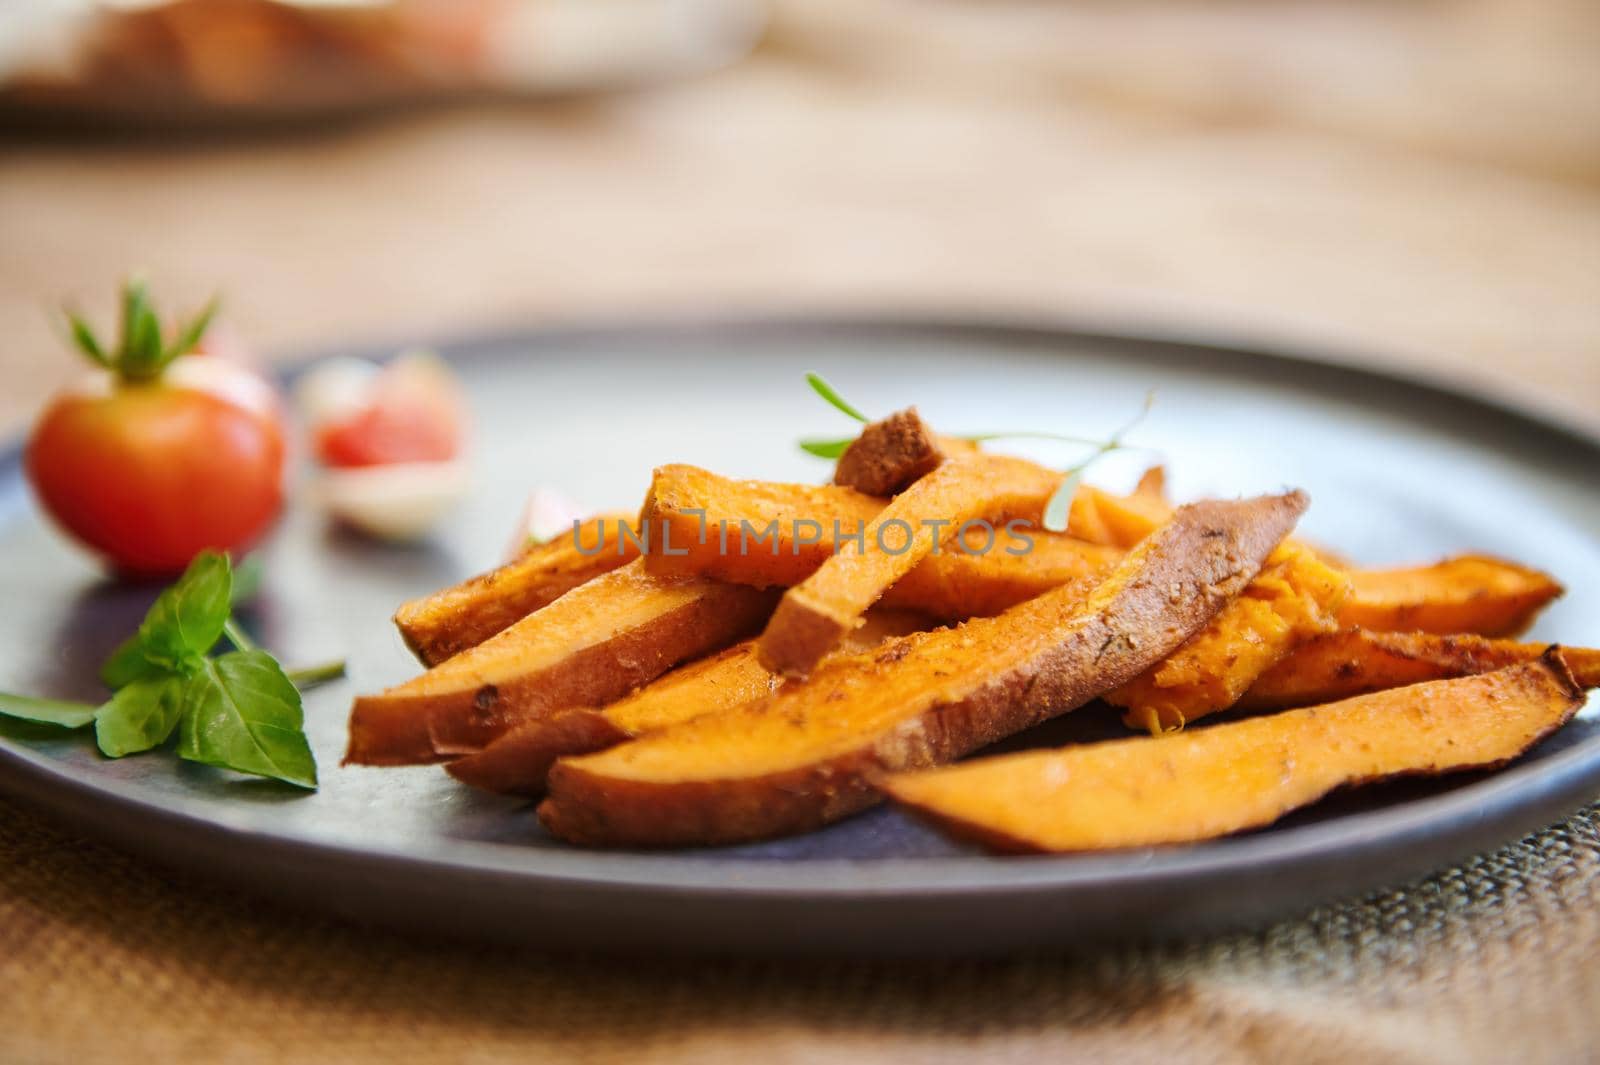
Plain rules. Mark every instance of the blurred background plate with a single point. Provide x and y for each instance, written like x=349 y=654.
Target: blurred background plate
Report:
x=223 y=63
x=1398 y=471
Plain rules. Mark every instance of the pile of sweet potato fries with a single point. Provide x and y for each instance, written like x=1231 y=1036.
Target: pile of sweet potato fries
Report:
x=747 y=659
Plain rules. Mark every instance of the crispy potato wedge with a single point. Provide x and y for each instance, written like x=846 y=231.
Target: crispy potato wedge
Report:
x=450 y=621
x=967 y=577
x=1471 y=593
x=889 y=455
x=1294 y=598
x=807 y=755
x=589 y=647
x=1357 y=661
x=813 y=616
x=1209 y=782
x=519 y=762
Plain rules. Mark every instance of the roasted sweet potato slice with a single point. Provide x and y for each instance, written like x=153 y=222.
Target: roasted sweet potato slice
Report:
x=591 y=646
x=889 y=455
x=765 y=533
x=1103 y=517
x=1356 y=661
x=761 y=532
x=518 y=762
x=450 y=621
x=1209 y=782
x=813 y=616
x=807 y=755
x=1294 y=598
x=1152 y=485
x=1472 y=593
x=976 y=577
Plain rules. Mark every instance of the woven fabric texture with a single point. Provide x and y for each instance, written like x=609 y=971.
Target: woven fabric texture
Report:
x=106 y=959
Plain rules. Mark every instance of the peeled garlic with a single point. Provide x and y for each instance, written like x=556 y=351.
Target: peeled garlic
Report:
x=400 y=502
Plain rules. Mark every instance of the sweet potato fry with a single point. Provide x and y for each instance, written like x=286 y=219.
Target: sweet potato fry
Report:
x=1209 y=782
x=1294 y=598
x=1152 y=485
x=1357 y=661
x=964 y=579
x=519 y=762
x=807 y=755
x=1103 y=517
x=764 y=533
x=813 y=616
x=1467 y=594
x=1472 y=593
x=591 y=646
x=889 y=455
x=450 y=621
x=973 y=577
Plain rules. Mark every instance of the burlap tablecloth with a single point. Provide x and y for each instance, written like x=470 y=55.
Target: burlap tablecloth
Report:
x=1422 y=180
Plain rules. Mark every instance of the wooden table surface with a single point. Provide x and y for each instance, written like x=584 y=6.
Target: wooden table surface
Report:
x=1417 y=182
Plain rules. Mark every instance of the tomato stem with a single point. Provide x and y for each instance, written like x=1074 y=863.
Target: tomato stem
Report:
x=141 y=354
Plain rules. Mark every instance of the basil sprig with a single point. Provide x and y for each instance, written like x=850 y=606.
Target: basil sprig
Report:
x=237 y=710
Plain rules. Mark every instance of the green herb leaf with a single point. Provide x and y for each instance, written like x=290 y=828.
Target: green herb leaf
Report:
x=826 y=449
x=1137 y=420
x=1058 y=511
x=827 y=392
x=47 y=711
x=309 y=677
x=187 y=619
x=979 y=438
x=128 y=664
x=241 y=712
x=84 y=337
x=141 y=715
x=246 y=580
x=237 y=636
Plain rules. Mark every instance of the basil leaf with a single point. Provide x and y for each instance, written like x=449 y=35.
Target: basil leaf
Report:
x=47 y=711
x=186 y=620
x=141 y=715
x=826 y=449
x=128 y=664
x=240 y=712
x=246 y=580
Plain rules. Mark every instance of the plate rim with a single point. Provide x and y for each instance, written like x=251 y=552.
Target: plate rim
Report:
x=1518 y=798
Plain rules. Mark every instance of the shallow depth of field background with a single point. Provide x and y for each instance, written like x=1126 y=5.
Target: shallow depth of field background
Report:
x=1414 y=181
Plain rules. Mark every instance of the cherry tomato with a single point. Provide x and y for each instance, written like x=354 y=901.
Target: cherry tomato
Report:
x=148 y=470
